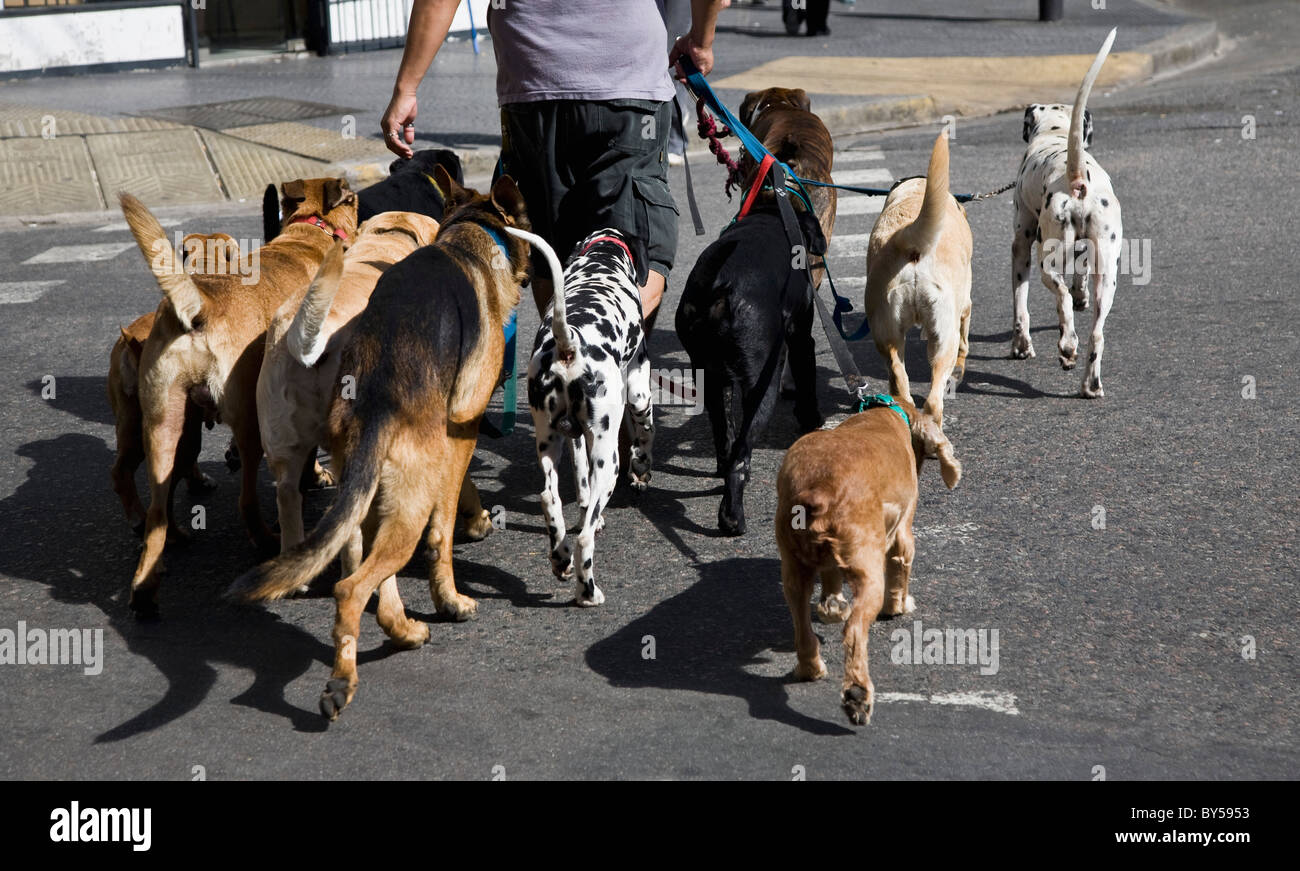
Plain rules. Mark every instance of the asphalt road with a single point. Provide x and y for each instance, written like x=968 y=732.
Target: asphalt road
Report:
x=1119 y=647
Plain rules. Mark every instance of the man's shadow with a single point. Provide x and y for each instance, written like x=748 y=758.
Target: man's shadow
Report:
x=699 y=646
x=66 y=531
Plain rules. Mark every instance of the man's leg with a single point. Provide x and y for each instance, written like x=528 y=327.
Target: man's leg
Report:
x=651 y=293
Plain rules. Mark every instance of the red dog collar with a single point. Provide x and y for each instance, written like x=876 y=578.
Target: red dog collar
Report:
x=317 y=222
x=617 y=241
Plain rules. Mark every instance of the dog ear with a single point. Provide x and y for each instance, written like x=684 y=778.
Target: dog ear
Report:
x=1087 y=128
x=449 y=159
x=337 y=193
x=453 y=194
x=928 y=439
x=507 y=198
x=1031 y=112
x=747 y=107
x=801 y=96
x=133 y=345
x=812 y=232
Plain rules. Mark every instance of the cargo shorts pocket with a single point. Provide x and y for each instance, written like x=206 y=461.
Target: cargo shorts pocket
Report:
x=655 y=219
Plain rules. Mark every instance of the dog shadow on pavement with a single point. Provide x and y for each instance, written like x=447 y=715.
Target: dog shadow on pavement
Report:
x=64 y=529
x=710 y=637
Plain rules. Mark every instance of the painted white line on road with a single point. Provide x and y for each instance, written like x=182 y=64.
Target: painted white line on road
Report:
x=13 y=292
x=845 y=282
x=987 y=700
x=875 y=175
x=957 y=533
x=120 y=226
x=80 y=253
x=862 y=155
x=848 y=203
x=849 y=245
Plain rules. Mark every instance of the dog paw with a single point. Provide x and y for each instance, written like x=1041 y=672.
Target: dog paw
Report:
x=1081 y=303
x=1022 y=347
x=337 y=696
x=1068 y=360
x=731 y=524
x=415 y=635
x=833 y=609
x=145 y=608
x=200 y=484
x=323 y=477
x=479 y=526
x=587 y=595
x=562 y=562
x=460 y=608
x=857 y=702
x=1091 y=388
x=815 y=670
x=893 y=607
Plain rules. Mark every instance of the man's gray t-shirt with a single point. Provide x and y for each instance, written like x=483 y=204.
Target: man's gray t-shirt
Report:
x=580 y=50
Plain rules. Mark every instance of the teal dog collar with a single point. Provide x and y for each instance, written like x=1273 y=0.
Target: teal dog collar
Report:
x=883 y=400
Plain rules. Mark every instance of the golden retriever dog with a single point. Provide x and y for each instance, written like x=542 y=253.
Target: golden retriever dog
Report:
x=845 y=502
x=206 y=345
x=919 y=274
x=425 y=354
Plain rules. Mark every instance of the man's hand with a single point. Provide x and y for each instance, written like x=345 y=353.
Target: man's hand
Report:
x=700 y=55
x=398 y=124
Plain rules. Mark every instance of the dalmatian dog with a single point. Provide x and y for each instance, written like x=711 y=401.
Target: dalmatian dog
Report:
x=1064 y=201
x=589 y=364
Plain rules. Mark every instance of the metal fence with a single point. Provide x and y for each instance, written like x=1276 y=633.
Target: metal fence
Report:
x=363 y=25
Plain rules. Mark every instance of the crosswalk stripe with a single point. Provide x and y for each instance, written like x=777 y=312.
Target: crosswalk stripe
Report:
x=13 y=292
x=849 y=245
x=857 y=204
x=80 y=253
x=858 y=156
x=989 y=700
x=845 y=280
x=121 y=226
x=871 y=176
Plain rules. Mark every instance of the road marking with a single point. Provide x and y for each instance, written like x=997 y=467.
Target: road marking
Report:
x=987 y=700
x=845 y=283
x=80 y=253
x=848 y=203
x=874 y=175
x=12 y=292
x=858 y=155
x=849 y=245
x=121 y=226
x=957 y=533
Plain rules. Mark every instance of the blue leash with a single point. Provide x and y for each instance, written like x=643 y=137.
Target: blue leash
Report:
x=700 y=87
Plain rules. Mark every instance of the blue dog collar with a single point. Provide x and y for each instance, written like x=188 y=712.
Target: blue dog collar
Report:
x=496 y=237
x=883 y=400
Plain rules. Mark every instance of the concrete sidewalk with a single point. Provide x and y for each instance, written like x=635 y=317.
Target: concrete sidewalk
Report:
x=221 y=133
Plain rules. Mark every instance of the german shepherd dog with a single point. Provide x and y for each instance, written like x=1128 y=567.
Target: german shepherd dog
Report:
x=426 y=354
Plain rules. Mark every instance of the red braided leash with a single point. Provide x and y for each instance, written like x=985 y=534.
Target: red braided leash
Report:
x=708 y=129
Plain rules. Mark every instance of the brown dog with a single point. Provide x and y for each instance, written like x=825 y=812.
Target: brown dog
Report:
x=199 y=252
x=919 y=274
x=782 y=119
x=845 y=502
x=425 y=355
x=206 y=348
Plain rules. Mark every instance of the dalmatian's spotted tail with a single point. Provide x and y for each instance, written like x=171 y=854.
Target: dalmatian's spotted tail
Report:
x=1074 y=156
x=564 y=349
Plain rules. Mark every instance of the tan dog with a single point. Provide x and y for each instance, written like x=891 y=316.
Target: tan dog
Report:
x=206 y=348
x=426 y=354
x=304 y=344
x=782 y=119
x=199 y=252
x=854 y=490
x=919 y=274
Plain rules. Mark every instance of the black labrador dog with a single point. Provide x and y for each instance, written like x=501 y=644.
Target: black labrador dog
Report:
x=747 y=298
x=409 y=188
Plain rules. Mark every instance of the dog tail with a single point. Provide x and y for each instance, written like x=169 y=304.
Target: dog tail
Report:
x=304 y=340
x=174 y=282
x=559 y=326
x=922 y=233
x=278 y=577
x=1074 y=155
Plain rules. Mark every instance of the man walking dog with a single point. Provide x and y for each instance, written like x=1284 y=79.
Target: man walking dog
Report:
x=586 y=107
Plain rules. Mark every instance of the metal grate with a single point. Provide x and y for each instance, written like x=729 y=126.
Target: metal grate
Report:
x=247 y=112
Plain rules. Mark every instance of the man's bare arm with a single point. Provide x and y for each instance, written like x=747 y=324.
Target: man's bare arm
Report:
x=425 y=34
x=698 y=44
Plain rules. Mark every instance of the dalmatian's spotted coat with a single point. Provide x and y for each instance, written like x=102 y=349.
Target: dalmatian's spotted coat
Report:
x=589 y=363
x=1064 y=198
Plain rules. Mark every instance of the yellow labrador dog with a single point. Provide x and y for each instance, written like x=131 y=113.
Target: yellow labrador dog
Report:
x=919 y=274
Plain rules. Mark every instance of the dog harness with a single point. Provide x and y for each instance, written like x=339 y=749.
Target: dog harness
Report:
x=315 y=221
x=882 y=400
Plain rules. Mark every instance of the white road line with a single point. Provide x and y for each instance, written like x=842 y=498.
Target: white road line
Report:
x=849 y=203
x=988 y=700
x=849 y=245
x=846 y=281
x=872 y=176
x=12 y=292
x=120 y=226
x=80 y=253
x=861 y=155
